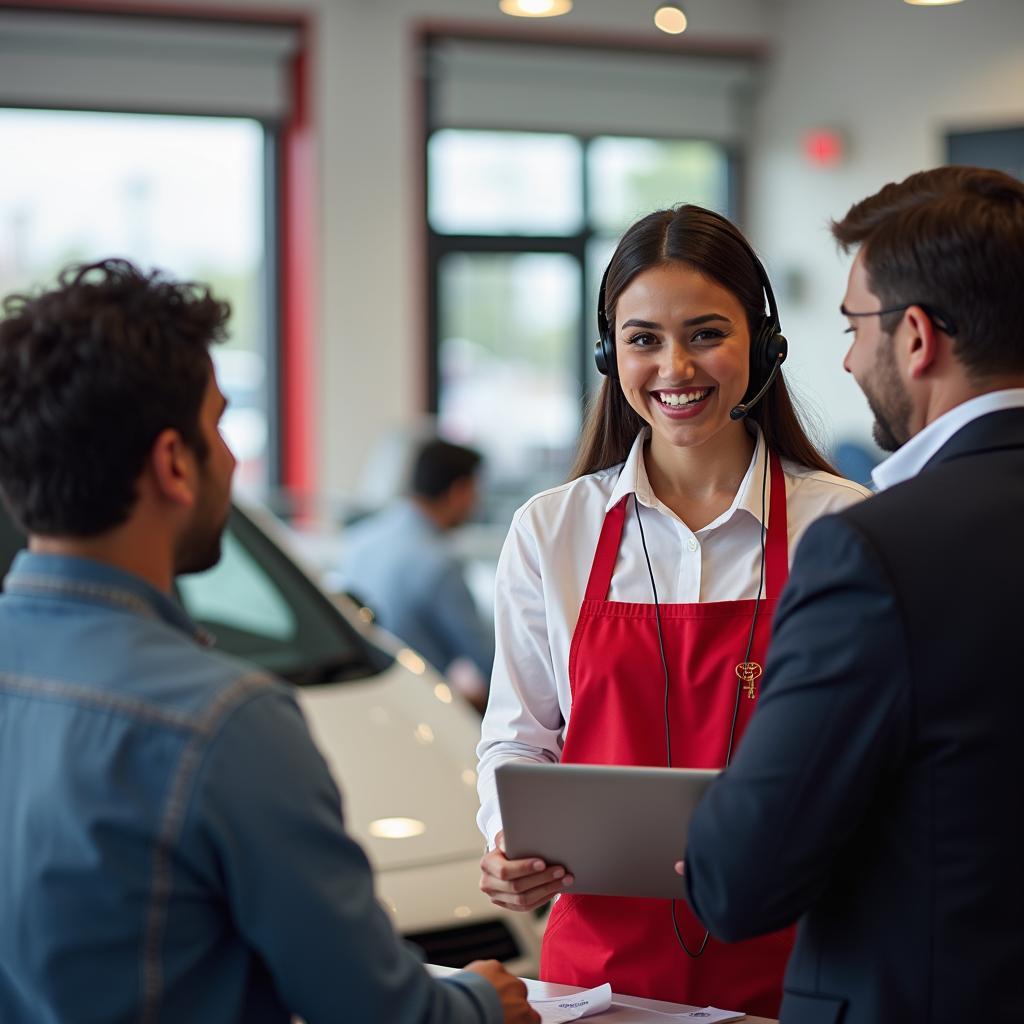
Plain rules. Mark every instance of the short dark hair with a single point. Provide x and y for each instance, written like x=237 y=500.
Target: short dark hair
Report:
x=439 y=464
x=90 y=373
x=952 y=241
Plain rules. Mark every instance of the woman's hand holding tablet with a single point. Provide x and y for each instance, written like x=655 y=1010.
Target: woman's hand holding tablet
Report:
x=519 y=884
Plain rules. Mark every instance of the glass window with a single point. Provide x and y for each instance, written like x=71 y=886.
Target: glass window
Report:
x=630 y=177
x=508 y=362
x=504 y=183
x=185 y=194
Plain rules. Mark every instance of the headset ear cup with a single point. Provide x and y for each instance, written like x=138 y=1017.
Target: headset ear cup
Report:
x=765 y=351
x=777 y=348
x=604 y=357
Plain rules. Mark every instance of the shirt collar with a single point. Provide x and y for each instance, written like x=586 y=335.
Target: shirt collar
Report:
x=913 y=456
x=633 y=480
x=66 y=577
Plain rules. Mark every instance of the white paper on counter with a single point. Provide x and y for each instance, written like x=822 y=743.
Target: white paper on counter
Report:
x=557 y=1009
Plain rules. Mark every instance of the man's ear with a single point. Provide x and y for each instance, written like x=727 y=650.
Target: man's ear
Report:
x=921 y=342
x=172 y=466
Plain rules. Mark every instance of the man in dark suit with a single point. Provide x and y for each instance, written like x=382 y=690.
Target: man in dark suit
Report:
x=876 y=795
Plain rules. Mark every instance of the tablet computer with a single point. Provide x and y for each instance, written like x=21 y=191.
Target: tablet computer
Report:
x=618 y=830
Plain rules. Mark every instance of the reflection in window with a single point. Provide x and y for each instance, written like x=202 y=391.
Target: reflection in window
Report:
x=185 y=194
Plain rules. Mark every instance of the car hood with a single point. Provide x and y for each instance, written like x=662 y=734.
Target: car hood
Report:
x=401 y=745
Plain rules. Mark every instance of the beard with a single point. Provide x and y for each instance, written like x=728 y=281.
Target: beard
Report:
x=888 y=400
x=199 y=553
x=199 y=546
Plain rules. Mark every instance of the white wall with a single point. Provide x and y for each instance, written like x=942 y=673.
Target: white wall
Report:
x=893 y=79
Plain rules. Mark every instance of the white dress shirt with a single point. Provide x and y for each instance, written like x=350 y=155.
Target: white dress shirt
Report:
x=543 y=571
x=912 y=457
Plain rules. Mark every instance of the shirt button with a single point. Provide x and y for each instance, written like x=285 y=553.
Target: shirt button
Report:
x=692 y=543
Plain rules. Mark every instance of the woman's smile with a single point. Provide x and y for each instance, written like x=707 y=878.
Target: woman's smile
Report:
x=682 y=403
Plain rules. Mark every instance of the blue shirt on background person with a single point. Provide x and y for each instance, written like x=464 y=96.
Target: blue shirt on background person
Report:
x=399 y=563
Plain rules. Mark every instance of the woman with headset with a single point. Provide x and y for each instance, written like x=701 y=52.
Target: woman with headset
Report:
x=633 y=604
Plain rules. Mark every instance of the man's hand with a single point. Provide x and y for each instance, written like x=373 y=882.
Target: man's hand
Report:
x=511 y=992
x=519 y=884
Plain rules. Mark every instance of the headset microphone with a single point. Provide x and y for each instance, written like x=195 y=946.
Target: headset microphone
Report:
x=781 y=348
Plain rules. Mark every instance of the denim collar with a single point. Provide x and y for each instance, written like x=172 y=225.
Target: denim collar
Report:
x=69 y=578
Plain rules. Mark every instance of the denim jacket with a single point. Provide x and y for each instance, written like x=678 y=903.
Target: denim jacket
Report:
x=172 y=842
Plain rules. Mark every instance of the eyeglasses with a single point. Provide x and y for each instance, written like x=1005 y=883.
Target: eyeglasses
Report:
x=946 y=323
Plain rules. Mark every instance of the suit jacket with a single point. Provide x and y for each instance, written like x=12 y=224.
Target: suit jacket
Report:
x=876 y=796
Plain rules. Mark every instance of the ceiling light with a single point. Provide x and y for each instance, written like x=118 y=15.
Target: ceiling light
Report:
x=535 y=8
x=671 y=20
x=397 y=828
x=930 y=3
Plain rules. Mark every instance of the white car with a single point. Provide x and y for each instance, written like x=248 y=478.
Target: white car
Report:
x=400 y=743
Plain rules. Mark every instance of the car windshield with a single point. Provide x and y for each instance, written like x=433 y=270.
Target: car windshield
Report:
x=261 y=607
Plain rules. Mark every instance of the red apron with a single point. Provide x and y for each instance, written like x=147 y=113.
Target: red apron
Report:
x=618 y=690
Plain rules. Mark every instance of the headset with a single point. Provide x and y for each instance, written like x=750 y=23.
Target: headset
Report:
x=768 y=346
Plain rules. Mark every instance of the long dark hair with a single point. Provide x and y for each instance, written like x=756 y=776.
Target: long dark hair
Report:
x=713 y=246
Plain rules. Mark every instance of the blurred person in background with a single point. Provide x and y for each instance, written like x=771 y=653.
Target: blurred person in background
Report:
x=633 y=604
x=173 y=842
x=400 y=564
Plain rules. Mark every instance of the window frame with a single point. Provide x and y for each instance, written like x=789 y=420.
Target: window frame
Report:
x=576 y=245
x=290 y=227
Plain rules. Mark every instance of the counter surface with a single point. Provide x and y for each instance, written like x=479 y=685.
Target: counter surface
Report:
x=618 y=1014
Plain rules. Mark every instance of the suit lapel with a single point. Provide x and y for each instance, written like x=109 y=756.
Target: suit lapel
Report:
x=993 y=432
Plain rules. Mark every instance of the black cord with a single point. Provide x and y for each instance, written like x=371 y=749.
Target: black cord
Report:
x=739 y=680
x=661 y=638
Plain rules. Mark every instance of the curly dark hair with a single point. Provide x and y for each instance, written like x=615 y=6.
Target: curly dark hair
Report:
x=951 y=240
x=90 y=373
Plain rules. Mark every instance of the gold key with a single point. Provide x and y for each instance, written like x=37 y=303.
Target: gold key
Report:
x=749 y=672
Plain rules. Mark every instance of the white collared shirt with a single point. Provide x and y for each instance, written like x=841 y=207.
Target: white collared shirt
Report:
x=912 y=457
x=543 y=572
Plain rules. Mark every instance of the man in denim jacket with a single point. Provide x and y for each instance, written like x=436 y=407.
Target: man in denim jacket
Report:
x=172 y=843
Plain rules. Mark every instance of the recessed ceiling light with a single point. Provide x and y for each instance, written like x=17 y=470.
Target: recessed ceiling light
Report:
x=535 y=8
x=670 y=19
x=931 y=3
x=397 y=828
